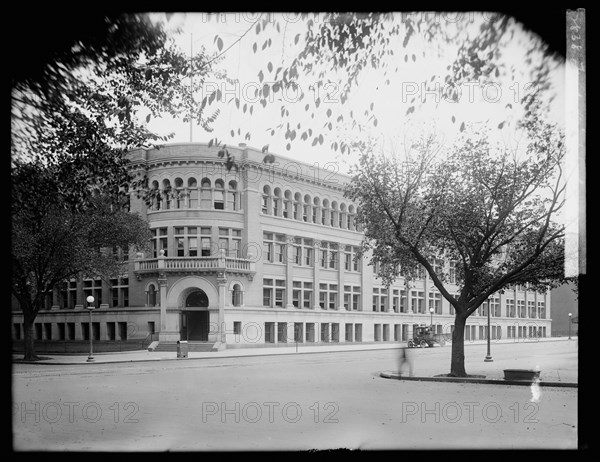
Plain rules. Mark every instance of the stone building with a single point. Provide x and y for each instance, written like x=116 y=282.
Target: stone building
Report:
x=259 y=255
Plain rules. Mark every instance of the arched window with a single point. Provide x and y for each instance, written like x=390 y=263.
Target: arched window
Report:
x=351 y=217
x=193 y=192
x=287 y=204
x=306 y=212
x=232 y=196
x=219 y=195
x=151 y=295
x=178 y=193
x=342 y=216
x=167 y=193
x=333 y=214
x=325 y=212
x=205 y=194
x=316 y=216
x=237 y=296
x=297 y=206
x=156 y=201
x=277 y=202
x=266 y=201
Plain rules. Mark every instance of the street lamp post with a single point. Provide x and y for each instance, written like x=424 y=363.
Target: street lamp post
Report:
x=488 y=358
x=90 y=307
x=570 y=319
x=431 y=312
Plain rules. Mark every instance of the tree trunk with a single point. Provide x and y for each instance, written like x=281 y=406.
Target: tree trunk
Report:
x=29 y=315
x=29 y=343
x=457 y=363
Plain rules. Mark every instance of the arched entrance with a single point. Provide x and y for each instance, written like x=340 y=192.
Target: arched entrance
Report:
x=195 y=320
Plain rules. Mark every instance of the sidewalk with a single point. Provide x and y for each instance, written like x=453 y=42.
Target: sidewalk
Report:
x=144 y=355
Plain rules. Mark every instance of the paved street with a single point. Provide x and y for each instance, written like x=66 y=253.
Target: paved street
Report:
x=296 y=401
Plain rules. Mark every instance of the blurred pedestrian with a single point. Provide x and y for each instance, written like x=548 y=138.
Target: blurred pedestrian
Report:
x=404 y=361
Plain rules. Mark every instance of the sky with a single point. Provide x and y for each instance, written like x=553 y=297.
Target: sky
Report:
x=493 y=101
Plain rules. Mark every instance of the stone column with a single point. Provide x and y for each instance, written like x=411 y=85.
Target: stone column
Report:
x=221 y=343
x=289 y=272
x=162 y=289
x=316 y=276
x=341 y=269
x=221 y=340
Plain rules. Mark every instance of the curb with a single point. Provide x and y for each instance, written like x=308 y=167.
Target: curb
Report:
x=391 y=375
x=254 y=355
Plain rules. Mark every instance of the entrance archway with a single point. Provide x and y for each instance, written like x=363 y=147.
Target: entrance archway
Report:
x=195 y=323
x=197 y=299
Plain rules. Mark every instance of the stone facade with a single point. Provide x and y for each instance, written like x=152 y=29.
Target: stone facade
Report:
x=260 y=255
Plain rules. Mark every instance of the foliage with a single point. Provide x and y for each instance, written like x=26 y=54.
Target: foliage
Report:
x=82 y=104
x=336 y=51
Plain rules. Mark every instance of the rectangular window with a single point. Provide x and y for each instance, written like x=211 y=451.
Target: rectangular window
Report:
x=358 y=332
x=206 y=246
x=274 y=295
x=375 y=299
x=269 y=332
x=307 y=296
x=193 y=246
x=274 y=247
x=531 y=309
x=510 y=308
x=417 y=302
x=383 y=300
x=452 y=273
x=267 y=296
x=70 y=331
x=541 y=310
x=521 y=308
x=356 y=299
x=111 y=331
x=302 y=294
x=494 y=303
x=435 y=302
x=329 y=255
x=282 y=332
x=296 y=293
x=396 y=301
x=62 y=334
x=324 y=332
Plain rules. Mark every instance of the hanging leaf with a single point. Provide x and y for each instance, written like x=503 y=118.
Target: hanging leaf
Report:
x=462 y=127
x=220 y=43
